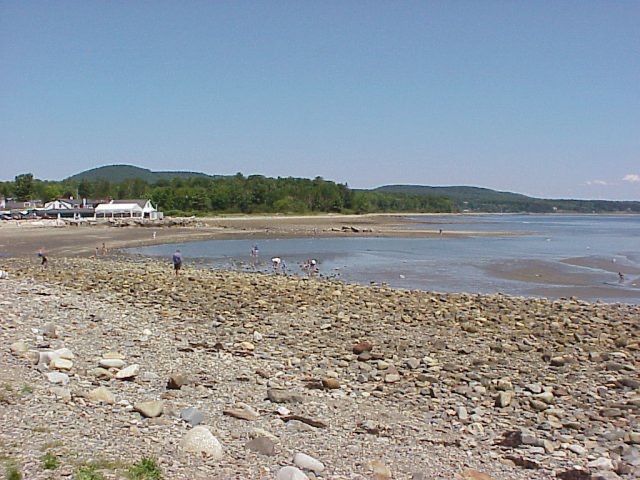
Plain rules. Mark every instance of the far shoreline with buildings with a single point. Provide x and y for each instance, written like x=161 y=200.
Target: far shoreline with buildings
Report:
x=79 y=210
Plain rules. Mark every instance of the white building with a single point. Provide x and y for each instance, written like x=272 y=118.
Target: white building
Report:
x=128 y=209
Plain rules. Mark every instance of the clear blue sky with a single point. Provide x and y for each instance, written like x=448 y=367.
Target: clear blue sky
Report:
x=539 y=97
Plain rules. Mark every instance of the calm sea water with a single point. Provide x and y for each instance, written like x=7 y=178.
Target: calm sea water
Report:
x=475 y=264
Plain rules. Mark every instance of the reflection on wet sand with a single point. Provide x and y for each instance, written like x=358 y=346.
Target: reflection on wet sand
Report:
x=584 y=277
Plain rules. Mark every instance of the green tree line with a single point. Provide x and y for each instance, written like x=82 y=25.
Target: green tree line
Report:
x=231 y=194
x=533 y=205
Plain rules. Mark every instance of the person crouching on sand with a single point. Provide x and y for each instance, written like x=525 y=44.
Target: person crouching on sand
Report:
x=177 y=261
x=277 y=264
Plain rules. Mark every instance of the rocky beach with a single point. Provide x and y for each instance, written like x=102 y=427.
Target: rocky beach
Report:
x=216 y=375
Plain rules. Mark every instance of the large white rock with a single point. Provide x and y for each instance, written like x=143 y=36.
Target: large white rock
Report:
x=129 y=372
x=307 y=462
x=201 y=440
x=111 y=363
x=61 y=364
x=291 y=473
x=65 y=353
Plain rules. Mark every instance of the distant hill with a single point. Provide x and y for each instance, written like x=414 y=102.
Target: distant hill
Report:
x=460 y=193
x=463 y=198
x=476 y=199
x=119 y=173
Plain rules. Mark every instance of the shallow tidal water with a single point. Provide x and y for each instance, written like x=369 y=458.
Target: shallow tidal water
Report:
x=554 y=256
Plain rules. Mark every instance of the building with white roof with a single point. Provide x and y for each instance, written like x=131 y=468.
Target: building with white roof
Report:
x=128 y=209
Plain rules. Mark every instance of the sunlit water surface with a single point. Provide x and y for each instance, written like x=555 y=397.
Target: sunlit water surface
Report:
x=474 y=264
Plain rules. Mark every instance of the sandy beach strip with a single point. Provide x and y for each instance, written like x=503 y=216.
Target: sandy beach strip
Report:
x=25 y=238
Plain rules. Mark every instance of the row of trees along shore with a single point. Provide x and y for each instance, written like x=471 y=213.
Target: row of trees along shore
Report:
x=231 y=194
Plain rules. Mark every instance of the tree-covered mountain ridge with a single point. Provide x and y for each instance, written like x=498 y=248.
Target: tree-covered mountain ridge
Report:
x=120 y=173
x=478 y=199
x=461 y=198
x=196 y=193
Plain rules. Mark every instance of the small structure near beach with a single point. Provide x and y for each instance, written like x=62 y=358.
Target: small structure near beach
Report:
x=128 y=209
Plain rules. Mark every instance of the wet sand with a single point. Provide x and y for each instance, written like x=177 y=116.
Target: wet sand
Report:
x=583 y=277
x=26 y=238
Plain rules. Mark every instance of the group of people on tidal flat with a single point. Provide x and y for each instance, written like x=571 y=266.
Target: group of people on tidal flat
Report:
x=279 y=266
x=309 y=267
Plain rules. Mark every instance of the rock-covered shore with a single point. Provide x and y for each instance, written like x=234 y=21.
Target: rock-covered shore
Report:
x=236 y=375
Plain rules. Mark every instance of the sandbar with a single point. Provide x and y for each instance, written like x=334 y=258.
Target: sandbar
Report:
x=25 y=238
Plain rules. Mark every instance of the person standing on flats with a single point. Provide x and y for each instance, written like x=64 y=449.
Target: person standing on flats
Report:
x=177 y=261
x=42 y=257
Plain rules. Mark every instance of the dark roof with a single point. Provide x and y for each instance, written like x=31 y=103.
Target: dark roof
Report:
x=14 y=205
x=67 y=212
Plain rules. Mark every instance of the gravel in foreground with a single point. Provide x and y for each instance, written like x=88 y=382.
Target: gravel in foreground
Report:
x=107 y=361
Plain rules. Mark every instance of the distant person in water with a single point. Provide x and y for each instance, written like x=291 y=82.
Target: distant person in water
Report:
x=43 y=257
x=177 y=261
x=97 y=251
x=620 y=277
x=255 y=251
x=154 y=234
x=104 y=249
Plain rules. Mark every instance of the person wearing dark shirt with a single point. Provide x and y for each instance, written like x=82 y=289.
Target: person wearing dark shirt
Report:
x=42 y=256
x=177 y=261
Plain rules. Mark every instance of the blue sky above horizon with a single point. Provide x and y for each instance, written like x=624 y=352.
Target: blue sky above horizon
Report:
x=540 y=98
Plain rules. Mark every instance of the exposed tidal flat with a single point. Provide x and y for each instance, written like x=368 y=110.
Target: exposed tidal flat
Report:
x=111 y=359
x=591 y=257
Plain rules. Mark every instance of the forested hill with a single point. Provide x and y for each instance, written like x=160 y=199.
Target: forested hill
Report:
x=120 y=173
x=462 y=193
x=187 y=193
x=192 y=193
x=476 y=199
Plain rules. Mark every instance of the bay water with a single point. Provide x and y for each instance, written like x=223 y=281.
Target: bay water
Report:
x=526 y=255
